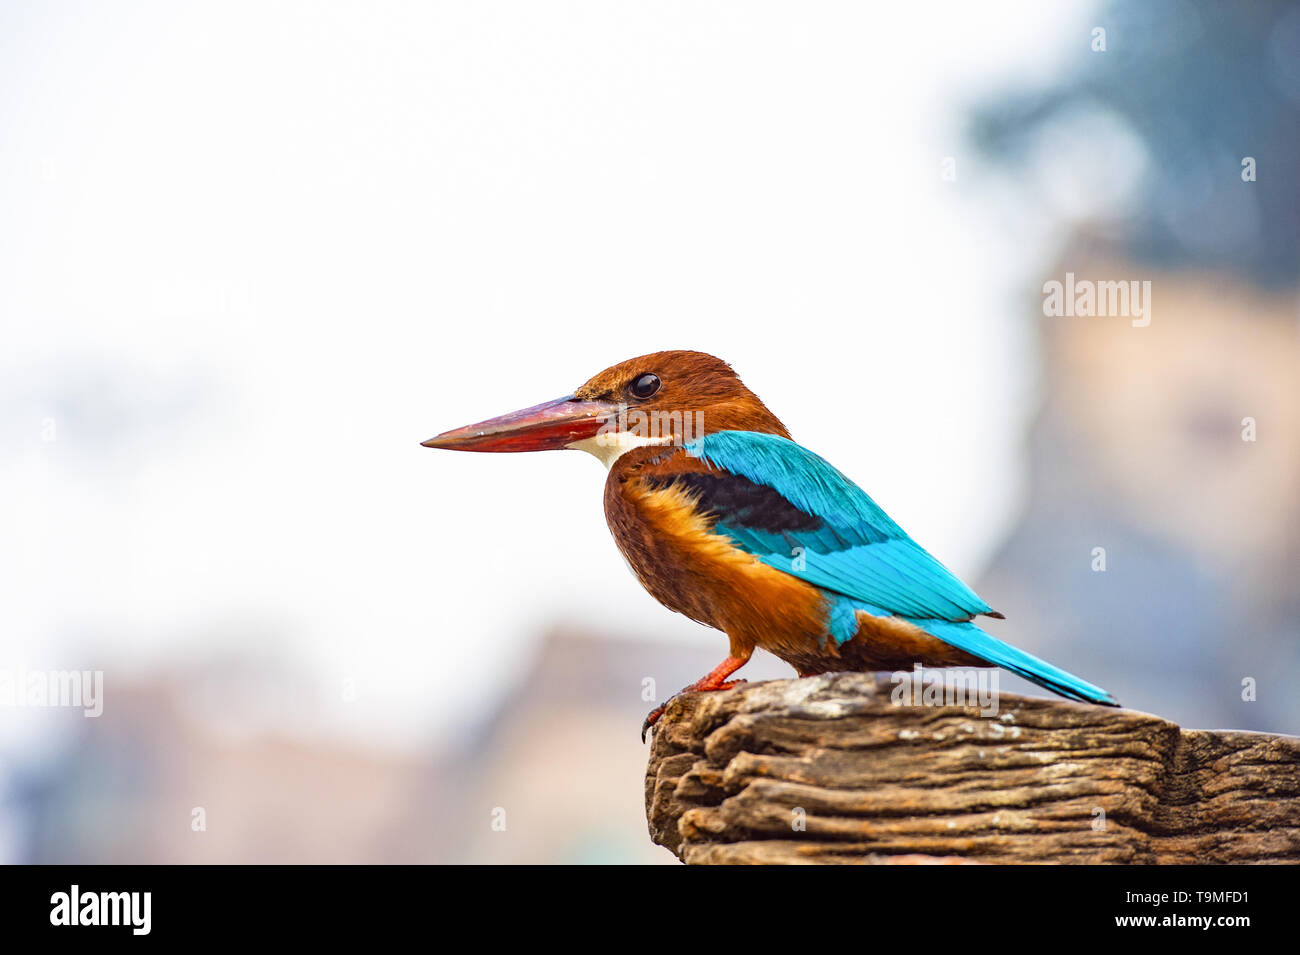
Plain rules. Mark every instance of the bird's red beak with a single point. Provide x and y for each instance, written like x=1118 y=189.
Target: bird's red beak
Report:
x=545 y=427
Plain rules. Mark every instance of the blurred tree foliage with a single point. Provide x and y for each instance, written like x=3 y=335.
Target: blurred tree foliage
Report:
x=1201 y=85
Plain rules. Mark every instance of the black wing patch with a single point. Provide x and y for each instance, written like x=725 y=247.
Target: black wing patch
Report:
x=741 y=501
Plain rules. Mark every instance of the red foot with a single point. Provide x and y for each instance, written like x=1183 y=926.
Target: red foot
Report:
x=716 y=680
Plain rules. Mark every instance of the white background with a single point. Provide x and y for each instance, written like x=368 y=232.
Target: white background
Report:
x=252 y=254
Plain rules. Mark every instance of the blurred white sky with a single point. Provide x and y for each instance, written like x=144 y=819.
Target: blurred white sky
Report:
x=252 y=254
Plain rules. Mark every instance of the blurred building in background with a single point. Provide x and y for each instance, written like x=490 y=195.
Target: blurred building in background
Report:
x=554 y=776
x=1174 y=446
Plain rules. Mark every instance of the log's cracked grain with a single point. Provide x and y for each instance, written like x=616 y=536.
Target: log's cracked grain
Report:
x=828 y=769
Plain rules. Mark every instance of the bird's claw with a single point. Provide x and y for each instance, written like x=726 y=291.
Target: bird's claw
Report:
x=653 y=716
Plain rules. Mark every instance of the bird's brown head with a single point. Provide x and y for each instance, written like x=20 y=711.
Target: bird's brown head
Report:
x=666 y=397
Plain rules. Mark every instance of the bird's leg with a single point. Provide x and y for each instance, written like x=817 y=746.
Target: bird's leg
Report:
x=715 y=680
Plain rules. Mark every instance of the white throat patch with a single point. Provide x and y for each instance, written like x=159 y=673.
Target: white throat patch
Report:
x=612 y=445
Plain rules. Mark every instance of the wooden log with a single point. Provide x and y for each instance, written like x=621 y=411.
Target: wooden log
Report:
x=829 y=769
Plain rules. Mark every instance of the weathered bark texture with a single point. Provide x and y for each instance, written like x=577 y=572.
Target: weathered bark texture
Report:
x=733 y=774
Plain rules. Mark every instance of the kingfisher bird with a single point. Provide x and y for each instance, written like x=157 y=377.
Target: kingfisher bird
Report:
x=724 y=518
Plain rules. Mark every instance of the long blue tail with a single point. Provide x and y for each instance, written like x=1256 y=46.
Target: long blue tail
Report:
x=966 y=636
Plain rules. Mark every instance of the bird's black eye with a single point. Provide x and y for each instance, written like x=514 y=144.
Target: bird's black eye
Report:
x=644 y=386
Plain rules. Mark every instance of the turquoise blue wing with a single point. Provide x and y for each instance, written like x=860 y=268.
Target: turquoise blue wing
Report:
x=817 y=525
x=790 y=509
